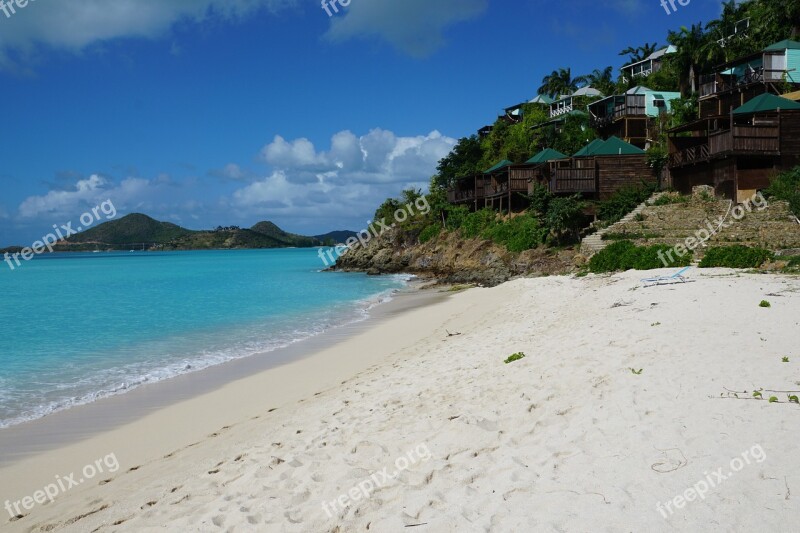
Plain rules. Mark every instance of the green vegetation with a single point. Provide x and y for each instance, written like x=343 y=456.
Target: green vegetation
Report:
x=736 y=256
x=670 y=199
x=637 y=372
x=786 y=186
x=624 y=255
x=785 y=360
x=623 y=202
x=557 y=221
x=765 y=303
x=514 y=357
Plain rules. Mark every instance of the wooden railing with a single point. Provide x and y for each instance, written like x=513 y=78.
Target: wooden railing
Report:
x=570 y=180
x=460 y=196
x=689 y=155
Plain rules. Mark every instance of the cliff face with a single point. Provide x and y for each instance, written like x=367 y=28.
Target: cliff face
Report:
x=453 y=259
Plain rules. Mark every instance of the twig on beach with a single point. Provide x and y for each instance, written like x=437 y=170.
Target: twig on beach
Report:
x=788 y=491
x=456 y=334
x=415 y=525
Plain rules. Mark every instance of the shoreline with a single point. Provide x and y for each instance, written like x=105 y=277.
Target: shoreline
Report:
x=616 y=407
x=81 y=421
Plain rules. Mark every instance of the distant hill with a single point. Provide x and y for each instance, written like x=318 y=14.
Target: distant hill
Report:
x=271 y=230
x=137 y=231
x=335 y=237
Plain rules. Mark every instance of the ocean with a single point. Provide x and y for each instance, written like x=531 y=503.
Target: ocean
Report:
x=82 y=326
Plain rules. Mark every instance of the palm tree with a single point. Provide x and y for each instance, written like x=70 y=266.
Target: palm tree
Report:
x=692 y=55
x=602 y=80
x=559 y=82
x=719 y=30
x=640 y=53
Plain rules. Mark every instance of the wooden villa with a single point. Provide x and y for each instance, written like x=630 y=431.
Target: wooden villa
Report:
x=541 y=170
x=737 y=154
x=467 y=191
x=505 y=186
x=647 y=66
x=630 y=116
x=575 y=101
x=600 y=169
x=738 y=81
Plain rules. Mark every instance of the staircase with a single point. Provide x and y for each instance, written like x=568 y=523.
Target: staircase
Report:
x=593 y=243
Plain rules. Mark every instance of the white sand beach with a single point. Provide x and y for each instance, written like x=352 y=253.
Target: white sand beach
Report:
x=620 y=406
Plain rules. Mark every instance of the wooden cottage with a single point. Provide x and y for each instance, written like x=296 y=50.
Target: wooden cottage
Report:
x=647 y=66
x=601 y=168
x=739 y=153
x=733 y=84
x=505 y=186
x=467 y=191
x=541 y=170
x=630 y=116
x=577 y=100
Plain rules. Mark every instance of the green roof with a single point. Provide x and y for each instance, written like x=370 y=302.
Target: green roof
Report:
x=616 y=146
x=765 y=102
x=502 y=164
x=544 y=156
x=586 y=150
x=785 y=44
x=612 y=146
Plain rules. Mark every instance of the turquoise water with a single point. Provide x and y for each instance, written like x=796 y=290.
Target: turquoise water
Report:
x=76 y=327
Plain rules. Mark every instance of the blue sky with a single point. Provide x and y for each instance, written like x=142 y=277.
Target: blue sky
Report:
x=209 y=112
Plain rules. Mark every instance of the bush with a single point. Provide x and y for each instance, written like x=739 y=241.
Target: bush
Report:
x=565 y=215
x=624 y=255
x=518 y=234
x=623 y=202
x=669 y=199
x=787 y=187
x=735 y=257
x=476 y=223
x=456 y=216
x=429 y=233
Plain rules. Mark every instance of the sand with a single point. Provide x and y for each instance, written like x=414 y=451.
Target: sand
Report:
x=617 y=418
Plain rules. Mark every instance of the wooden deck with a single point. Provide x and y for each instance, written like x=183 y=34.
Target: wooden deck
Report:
x=761 y=140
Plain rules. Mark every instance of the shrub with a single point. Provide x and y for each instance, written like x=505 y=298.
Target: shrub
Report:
x=429 y=233
x=517 y=234
x=764 y=303
x=623 y=202
x=456 y=216
x=476 y=223
x=565 y=215
x=786 y=186
x=736 y=256
x=540 y=199
x=624 y=255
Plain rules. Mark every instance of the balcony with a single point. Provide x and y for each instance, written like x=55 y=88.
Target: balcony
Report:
x=560 y=110
x=761 y=140
x=572 y=180
x=711 y=84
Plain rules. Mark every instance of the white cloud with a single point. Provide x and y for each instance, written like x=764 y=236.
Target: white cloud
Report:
x=412 y=26
x=91 y=21
x=348 y=181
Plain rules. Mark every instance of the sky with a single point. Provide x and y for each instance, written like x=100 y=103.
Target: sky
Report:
x=230 y=112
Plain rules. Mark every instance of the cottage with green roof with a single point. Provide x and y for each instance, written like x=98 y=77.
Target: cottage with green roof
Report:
x=776 y=69
x=740 y=153
x=631 y=116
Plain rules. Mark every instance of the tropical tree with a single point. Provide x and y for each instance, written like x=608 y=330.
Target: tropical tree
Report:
x=602 y=80
x=640 y=53
x=721 y=47
x=691 y=56
x=559 y=82
x=462 y=160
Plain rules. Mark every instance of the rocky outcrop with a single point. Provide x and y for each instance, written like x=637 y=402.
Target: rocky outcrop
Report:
x=452 y=259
